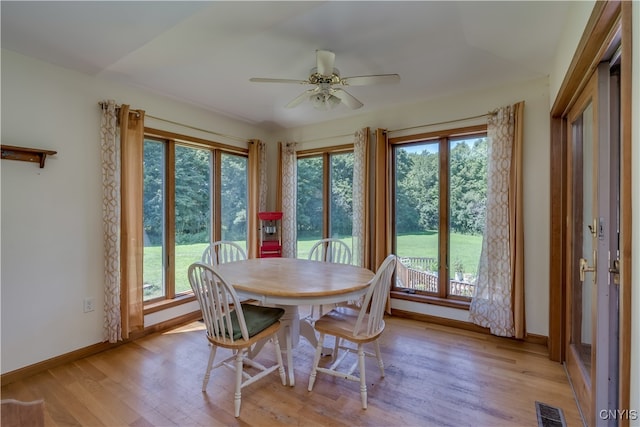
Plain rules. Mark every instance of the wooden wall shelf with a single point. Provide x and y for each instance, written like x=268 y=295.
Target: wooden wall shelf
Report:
x=35 y=155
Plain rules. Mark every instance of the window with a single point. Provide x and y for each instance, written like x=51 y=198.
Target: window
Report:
x=439 y=213
x=193 y=194
x=233 y=198
x=325 y=197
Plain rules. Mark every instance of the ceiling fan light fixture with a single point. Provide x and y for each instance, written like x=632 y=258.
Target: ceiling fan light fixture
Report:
x=324 y=101
x=328 y=93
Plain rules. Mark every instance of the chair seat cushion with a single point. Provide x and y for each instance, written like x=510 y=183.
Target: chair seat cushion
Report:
x=341 y=322
x=257 y=317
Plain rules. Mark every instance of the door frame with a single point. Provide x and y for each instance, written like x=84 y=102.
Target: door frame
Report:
x=582 y=377
x=606 y=18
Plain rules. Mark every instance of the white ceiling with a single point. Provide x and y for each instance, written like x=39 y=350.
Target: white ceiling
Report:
x=205 y=52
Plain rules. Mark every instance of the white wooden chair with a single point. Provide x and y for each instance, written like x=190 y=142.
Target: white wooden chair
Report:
x=223 y=251
x=328 y=250
x=235 y=326
x=359 y=325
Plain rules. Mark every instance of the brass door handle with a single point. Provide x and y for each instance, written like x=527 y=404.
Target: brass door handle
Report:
x=584 y=267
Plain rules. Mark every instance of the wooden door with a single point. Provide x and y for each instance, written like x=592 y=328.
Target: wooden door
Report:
x=592 y=249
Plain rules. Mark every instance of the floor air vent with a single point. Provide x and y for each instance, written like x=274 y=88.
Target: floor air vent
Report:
x=549 y=416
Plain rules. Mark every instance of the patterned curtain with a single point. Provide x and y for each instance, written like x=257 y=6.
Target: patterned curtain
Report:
x=262 y=153
x=110 y=148
x=121 y=139
x=498 y=301
x=361 y=198
x=288 y=197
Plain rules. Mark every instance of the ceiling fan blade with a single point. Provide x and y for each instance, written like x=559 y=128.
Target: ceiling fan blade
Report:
x=263 y=80
x=303 y=96
x=370 y=80
x=325 y=60
x=347 y=99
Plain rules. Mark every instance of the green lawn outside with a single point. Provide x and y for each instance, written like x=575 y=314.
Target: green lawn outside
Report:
x=466 y=248
x=185 y=256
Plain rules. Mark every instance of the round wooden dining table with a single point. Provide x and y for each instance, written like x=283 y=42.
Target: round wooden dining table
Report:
x=290 y=283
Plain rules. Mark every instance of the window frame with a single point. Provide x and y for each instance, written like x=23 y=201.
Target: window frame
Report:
x=443 y=138
x=170 y=141
x=325 y=153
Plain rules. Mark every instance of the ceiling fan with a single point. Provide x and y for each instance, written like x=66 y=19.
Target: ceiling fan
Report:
x=327 y=92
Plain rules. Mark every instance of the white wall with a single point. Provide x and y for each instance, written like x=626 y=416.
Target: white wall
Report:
x=52 y=252
x=577 y=18
x=536 y=172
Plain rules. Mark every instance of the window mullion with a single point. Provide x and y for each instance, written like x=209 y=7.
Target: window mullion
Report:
x=170 y=215
x=326 y=194
x=443 y=223
x=212 y=201
x=217 y=195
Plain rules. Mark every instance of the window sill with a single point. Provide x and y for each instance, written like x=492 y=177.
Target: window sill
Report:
x=165 y=304
x=428 y=299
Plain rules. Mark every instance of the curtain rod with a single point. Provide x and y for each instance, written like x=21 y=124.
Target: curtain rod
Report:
x=490 y=113
x=102 y=104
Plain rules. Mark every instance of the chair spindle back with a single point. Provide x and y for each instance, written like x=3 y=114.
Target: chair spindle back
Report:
x=375 y=300
x=330 y=250
x=223 y=251
x=217 y=301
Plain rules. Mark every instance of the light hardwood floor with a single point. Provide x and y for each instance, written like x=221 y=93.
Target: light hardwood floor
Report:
x=435 y=376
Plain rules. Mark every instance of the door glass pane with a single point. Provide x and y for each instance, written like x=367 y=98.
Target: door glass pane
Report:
x=417 y=213
x=153 y=283
x=341 y=213
x=233 y=198
x=582 y=329
x=192 y=210
x=309 y=204
x=467 y=212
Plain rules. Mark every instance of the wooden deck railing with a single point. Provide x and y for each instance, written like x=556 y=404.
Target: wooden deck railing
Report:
x=419 y=263
x=412 y=273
